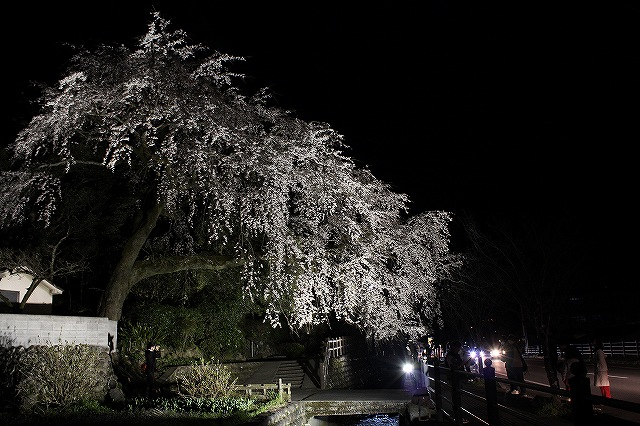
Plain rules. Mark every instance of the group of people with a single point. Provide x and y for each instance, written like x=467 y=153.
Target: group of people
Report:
x=572 y=368
x=574 y=365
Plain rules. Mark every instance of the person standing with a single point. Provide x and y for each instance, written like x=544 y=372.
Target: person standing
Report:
x=515 y=365
x=580 y=389
x=453 y=361
x=490 y=391
x=570 y=354
x=151 y=354
x=601 y=373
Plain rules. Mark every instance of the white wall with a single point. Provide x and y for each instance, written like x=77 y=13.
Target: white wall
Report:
x=29 y=330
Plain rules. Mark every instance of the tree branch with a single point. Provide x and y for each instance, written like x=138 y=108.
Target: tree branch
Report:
x=64 y=163
x=147 y=268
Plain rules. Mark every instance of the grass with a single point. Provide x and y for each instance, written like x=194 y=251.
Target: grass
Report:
x=551 y=408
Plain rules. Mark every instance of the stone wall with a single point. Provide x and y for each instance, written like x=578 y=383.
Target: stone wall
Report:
x=294 y=414
x=350 y=372
x=28 y=330
x=341 y=373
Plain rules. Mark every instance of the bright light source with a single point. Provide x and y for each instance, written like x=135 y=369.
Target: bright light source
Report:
x=473 y=354
x=495 y=352
x=482 y=354
x=407 y=368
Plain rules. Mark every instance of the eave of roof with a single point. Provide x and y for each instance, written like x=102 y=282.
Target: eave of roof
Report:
x=53 y=290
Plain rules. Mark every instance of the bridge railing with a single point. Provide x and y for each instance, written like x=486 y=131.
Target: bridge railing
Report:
x=456 y=400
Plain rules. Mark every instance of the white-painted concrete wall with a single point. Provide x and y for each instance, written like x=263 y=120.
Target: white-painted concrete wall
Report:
x=28 y=330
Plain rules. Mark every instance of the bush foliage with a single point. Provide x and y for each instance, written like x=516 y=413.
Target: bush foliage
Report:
x=208 y=379
x=59 y=376
x=183 y=325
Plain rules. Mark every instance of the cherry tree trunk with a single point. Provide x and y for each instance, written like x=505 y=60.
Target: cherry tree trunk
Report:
x=121 y=279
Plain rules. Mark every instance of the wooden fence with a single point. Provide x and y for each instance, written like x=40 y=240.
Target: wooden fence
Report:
x=262 y=389
x=338 y=347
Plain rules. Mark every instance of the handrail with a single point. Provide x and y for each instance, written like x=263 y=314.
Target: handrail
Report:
x=441 y=378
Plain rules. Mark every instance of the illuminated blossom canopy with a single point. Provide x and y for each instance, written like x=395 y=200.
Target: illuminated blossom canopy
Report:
x=234 y=182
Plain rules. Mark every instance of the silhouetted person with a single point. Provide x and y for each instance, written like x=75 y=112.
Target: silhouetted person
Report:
x=570 y=355
x=150 y=356
x=453 y=361
x=551 y=361
x=490 y=389
x=514 y=364
x=580 y=389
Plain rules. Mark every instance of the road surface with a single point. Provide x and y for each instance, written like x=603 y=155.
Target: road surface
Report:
x=625 y=384
x=625 y=381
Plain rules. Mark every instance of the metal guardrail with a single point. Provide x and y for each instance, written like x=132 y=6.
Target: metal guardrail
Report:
x=455 y=402
x=623 y=349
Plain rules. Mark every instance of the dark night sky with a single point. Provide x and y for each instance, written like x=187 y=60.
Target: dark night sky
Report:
x=483 y=110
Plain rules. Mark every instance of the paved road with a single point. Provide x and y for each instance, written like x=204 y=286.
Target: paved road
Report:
x=625 y=385
x=625 y=381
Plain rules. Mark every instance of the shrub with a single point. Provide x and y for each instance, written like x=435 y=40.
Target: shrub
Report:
x=9 y=370
x=291 y=349
x=554 y=408
x=59 y=376
x=222 y=406
x=206 y=380
x=228 y=410
x=133 y=339
x=182 y=322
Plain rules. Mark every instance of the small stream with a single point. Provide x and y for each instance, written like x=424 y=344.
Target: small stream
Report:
x=362 y=420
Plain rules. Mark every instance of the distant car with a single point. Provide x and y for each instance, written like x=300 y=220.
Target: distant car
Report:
x=496 y=353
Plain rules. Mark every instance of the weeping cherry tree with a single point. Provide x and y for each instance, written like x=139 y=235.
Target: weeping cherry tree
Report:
x=213 y=178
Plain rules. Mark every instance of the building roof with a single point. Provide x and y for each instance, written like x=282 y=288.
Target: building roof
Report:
x=53 y=290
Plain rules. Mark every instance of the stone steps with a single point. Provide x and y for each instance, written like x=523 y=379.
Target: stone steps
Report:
x=290 y=371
